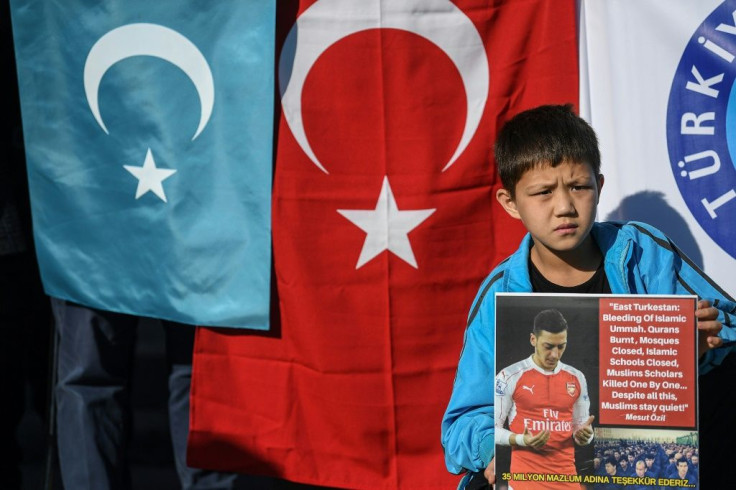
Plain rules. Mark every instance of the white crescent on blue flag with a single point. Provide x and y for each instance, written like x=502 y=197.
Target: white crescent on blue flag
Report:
x=148 y=129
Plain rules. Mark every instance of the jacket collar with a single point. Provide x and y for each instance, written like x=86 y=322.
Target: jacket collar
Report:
x=613 y=245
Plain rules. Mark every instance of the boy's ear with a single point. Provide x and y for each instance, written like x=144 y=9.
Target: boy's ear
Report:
x=503 y=196
x=601 y=180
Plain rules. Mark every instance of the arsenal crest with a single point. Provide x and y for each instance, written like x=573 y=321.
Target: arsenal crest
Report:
x=571 y=389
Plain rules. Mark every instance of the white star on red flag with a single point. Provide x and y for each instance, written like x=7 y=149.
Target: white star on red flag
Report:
x=386 y=227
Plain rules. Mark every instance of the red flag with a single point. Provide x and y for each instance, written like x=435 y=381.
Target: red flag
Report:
x=384 y=225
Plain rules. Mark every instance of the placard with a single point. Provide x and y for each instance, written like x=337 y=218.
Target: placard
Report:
x=623 y=366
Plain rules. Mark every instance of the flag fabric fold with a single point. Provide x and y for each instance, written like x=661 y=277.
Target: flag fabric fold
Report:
x=148 y=131
x=384 y=225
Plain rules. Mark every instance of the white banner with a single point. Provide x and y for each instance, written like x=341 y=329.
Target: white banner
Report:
x=656 y=84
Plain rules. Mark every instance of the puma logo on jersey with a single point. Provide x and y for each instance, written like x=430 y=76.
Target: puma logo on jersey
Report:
x=530 y=389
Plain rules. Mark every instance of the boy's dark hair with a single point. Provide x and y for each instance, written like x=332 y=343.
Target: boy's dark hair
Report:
x=546 y=134
x=550 y=321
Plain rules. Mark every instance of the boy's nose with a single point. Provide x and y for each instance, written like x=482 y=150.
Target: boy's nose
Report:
x=564 y=204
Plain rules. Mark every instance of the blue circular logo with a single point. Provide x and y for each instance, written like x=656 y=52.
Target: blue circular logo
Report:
x=701 y=126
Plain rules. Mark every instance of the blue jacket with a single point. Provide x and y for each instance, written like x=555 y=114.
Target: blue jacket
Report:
x=638 y=259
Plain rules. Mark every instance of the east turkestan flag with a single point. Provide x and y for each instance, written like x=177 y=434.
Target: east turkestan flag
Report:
x=385 y=224
x=148 y=132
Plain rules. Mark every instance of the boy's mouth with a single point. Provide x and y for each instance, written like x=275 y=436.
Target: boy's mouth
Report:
x=566 y=228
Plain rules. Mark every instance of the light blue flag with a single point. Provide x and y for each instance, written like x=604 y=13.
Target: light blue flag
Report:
x=148 y=130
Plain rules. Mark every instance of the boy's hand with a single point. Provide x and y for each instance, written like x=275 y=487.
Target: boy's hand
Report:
x=490 y=472
x=584 y=434
x=708 y=327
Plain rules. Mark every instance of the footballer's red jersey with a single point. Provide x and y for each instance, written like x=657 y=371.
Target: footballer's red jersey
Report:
x=528 y=397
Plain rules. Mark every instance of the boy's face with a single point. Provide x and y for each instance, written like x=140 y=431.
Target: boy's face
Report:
x=556 y=204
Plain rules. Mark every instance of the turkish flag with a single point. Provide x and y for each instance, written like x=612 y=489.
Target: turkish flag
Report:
x=384 y=225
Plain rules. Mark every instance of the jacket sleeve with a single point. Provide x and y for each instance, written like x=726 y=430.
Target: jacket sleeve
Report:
x=694 y=281
x=664 y=269
x=468 y=423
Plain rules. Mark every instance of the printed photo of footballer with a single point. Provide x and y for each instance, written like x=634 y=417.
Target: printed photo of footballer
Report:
x=545 y=410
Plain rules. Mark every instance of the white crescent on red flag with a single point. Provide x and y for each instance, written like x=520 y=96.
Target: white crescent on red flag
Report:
x=384 y=225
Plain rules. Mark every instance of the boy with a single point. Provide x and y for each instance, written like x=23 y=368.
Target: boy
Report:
x=549 y=163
